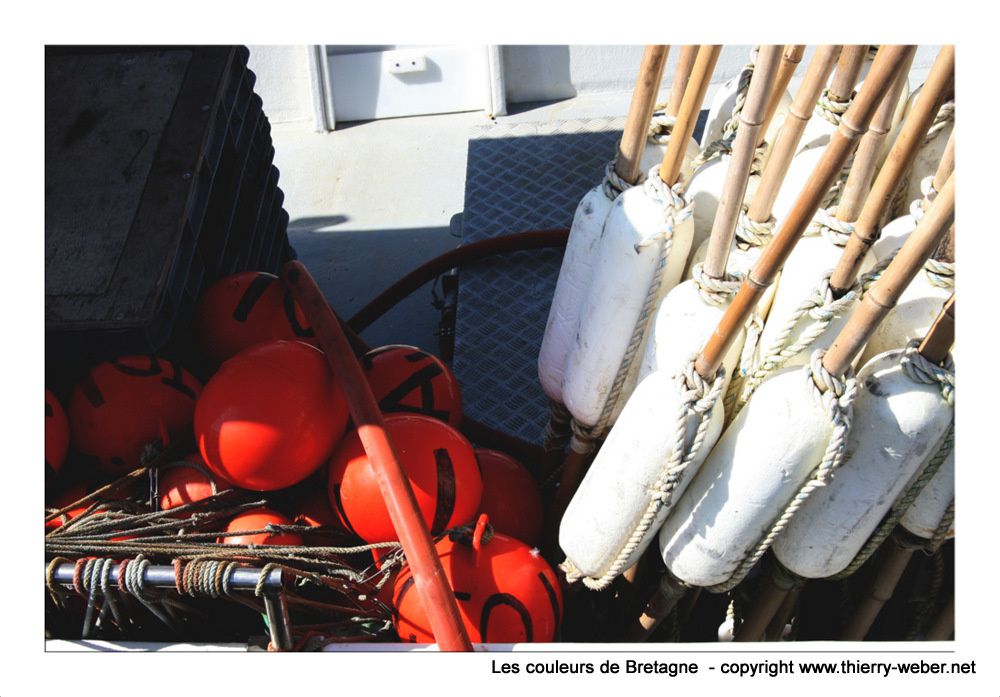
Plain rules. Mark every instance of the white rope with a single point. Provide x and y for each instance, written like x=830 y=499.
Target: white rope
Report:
x=944 y=118
x=821 y=307
x=832 y=109
x=836 y=396
x=750 y=233
x=612 y=184
x=715 y=291
x=921 y=370
x=826 y=222
x=919 y=206
x=698 y=397
x=661 y=126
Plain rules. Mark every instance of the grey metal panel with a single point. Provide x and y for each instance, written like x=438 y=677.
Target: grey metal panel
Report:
x=519 y=177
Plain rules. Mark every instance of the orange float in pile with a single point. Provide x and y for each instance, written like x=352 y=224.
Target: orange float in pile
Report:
x=270 y=416
x=127 y=403
x=246 y=309
x=181 y=484
x=439 y=462
x=510 y=496
x=56 y=432
x=506 y=592
x=408 y=379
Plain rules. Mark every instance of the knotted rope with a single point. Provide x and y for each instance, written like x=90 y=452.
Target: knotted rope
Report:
x=612 y=185
x=750 y=233
x=826 y=222
x=944 y=118
x=698 y=397
x=938 y=273
x=836 y=397
x=661 y=126
x=832 y=109
x=821 y=307
x=676 y=210
x=715 y=291
x=557 y=430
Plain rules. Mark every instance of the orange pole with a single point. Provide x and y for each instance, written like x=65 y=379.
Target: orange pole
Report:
x=431 y=585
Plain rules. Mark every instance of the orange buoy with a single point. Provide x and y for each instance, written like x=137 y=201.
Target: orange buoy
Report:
x=441 y=467
x=181 y=483
x=124 y=404
x=259 y=519
x=270 y=416
x=506 y=592
x=56 y=432
x=73 y=493
x=408 y=379
x=246 y=309
x=510 y=496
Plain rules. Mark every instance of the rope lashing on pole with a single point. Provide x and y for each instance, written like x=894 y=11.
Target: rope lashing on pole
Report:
x=699 y=399
x=836 y=396
x=822 y=306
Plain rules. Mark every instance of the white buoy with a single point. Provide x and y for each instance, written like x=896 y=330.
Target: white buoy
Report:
x=659 y=440
x=706 y=518
x=588 y=222
x=931 y=508
x=898 y=423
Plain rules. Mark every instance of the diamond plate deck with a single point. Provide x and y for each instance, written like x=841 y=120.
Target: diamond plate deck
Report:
x=519 y=177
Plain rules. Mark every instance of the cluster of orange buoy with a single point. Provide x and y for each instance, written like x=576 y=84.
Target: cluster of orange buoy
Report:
x=272 y=415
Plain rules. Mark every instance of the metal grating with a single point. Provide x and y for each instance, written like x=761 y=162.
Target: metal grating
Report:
x=519 y=177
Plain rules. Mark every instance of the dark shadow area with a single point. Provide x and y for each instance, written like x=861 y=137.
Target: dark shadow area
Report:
x=353 y=266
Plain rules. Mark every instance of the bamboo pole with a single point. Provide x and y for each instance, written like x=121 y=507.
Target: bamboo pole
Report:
x=788 y=138
x=790 y=59
x=640 y=110
x=694 y=95
x=939 y=84
x=944 y=625
x=866 y=158
x=682 y=74
x=884 y=71
x=751 y=123
x=884 y=295
x=852 y=58
x=896 y=555
x=852 y=126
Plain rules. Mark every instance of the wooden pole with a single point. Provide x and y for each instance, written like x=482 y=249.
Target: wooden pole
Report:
x=731 y=199
x=788 y=138
x=852 y=58
x=790 y=59
x=682 y=74
x=941 y=336
x=884 y=295
x=640 y=110
x=895 y=557
x=852 y=126
x=866 y=158
x=694 y=95
x=944 y=625
x=939 y=84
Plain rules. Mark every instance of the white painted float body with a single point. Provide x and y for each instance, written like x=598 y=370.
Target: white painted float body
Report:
x=813 y=256
x=627 y=254
x=704 y=190
x=896 y=429
x=758 y=465
x=574 y=275
x=911 y=318
x=615 y=493
x=925 y=515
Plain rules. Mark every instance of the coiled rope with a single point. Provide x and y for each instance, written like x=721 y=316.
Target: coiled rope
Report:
x=698 y=398
x=715 y=291
x=836 y=396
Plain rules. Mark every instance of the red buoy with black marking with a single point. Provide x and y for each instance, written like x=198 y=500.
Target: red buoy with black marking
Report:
x=187 y=481
x=506 y=592
x=123 y=405
x=56 y=432
x=246 y=309
x=410 y=380
x=441 y=468
x=259 y=519
x=270 y=416
x=510 y=496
